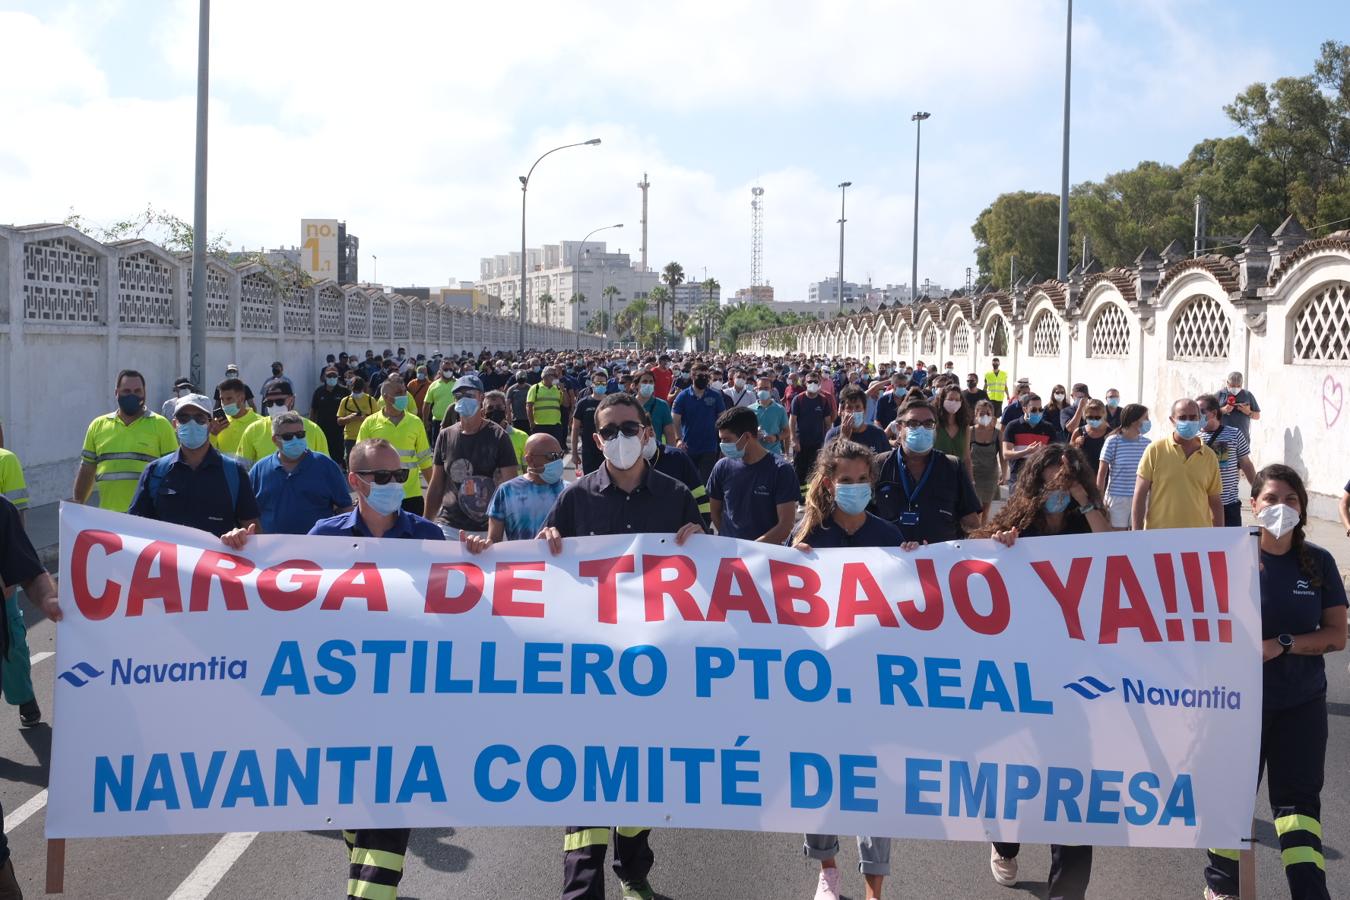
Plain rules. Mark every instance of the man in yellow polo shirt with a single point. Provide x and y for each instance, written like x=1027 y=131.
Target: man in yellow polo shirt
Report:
x=438 y=399
x=996 y=385
x=12 y=483
x=118 y=446
x=353 y=410
x=257 y=441
x=239 y=414
x=1178 y=478
x=544 y=407
x=407 y=433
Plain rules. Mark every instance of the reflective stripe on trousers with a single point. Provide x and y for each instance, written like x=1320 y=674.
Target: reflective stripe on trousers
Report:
x=375 y=862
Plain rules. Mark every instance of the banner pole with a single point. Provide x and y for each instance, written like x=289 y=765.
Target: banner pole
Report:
x=56 y=865
x=1247 y=857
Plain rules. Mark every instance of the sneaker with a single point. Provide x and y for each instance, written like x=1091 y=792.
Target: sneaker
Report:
x=637 y=890
x=29 y=714
x=1005 y=870
x=828 y=888
x=1210 y=895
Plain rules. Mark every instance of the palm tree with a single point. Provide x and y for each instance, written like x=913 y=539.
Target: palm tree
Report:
x=610 y=292
x=576 y=301
x=599 y=323
x=632 y=320
x=546 y=307
x=659 y=296
x=710 y=286
x=673 y=276
x=679 y=320
x=706 y=320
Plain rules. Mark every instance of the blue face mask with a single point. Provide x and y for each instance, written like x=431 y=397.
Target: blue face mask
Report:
x=598 y=390
x=647 y=389
x=919 y=440
x=1146 y=427
x=466 y=407
x=192 y=435
x=1035 y=418
x=858 y=420
x=1113 y=402
x=852 y=498
x=730 y=451
x=294 y=448
x=385 y=498
x=1187 y=429
x=763 y=395
x=1095 y=423
x=231 y=409
x=331 y=381
x=129 y=403
x=1057 y=501
x=552 y=472
x=401 y=402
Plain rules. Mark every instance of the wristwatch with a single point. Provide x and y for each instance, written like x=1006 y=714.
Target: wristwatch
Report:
x=1286 y=643
x=1087 y=508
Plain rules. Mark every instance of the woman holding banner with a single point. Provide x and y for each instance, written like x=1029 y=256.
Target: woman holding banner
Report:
x=1056 y=494
x=836 y=516
x=1303 y=617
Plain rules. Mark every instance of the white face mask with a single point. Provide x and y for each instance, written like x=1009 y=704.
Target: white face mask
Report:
x=985 y=420
x=649 y=450
x=277 y=409
x=952 y=406
x=1279 y=519
x=623 y=452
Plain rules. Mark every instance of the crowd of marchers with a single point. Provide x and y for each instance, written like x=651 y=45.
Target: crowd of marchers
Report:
x=790 y=449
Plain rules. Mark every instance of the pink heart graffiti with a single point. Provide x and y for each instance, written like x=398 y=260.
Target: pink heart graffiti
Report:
x=1333 y=397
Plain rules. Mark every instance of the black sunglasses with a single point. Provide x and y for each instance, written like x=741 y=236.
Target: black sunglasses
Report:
x=629 y=429
x=291 y=436
x=183 y=418
x=547 y=457
x=384 y=476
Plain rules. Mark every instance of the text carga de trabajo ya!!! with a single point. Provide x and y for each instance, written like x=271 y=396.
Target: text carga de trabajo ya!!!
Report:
x=162 y=575
x=694 y=776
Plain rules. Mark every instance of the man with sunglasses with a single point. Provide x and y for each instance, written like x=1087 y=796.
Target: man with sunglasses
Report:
x=256 y=442
x=471 y=458
x=396 y=421
x=926 y=494
x=623 y=496
x=375 y=473
x=295 y=486
x=196 y=486
x=520 y=507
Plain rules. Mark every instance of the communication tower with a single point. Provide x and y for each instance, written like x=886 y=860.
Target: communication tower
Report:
x=756 y=236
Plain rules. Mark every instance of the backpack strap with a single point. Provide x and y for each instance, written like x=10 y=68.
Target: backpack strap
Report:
x=231 y=478
x=158 y=470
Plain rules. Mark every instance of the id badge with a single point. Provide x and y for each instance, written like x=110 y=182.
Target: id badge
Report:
x=910 y=518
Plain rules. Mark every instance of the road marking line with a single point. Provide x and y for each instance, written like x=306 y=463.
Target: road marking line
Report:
x=39 y=657
x=23 y=813
x=203 y=879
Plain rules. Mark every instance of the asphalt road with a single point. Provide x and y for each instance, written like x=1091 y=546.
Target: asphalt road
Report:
x=489 y=863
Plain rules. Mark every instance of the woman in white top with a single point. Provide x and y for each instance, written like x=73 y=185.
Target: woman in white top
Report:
x=1119 y=463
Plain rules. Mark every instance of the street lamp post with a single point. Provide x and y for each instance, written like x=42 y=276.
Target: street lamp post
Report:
x=917 y=119
x=375 y=269
x=577 y=288
x=197 y=338
x=524 y=188
x=843 y=188
x=1063 y=267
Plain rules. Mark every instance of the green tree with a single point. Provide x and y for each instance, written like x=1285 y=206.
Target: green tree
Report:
x=546 y=307
x=659 y=297
x=599 y=323
x=610 y=292
x=1022 y=224
x=1142 y=207
x=673 y=276
x=576 y=301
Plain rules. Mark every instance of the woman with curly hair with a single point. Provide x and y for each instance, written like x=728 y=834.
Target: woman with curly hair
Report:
x=1302 y=618
x=1056 y=494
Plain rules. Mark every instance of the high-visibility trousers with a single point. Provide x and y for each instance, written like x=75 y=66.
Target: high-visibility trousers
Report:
x=375 y=862
x=584 y=859
x=1293 y=756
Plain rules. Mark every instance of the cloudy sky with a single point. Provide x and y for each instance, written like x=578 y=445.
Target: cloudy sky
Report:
x=412 y=120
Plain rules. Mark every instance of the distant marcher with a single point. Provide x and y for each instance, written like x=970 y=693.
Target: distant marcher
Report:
x=353 y=410
x=323 y=407
x=1240 y=408
x=257 y=439
x=1234 y=452
x=234 y=414
x=988 y=469
x=396 y=423
x=118 y=446
x=1118 y=465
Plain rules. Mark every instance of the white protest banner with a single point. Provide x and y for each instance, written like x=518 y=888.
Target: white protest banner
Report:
x=1085 y=690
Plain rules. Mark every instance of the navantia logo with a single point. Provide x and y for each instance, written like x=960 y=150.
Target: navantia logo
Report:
x=80 y=674
x=1089 y=688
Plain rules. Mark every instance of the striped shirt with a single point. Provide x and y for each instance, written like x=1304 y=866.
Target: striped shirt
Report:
x=1123 y=455
x=1231 y=446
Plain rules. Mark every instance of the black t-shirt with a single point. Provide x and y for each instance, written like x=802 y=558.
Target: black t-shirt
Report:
x=930 y=508
x=813 y=414
x=874 y=532
x=1022 y=433
x=1092 y=447
x=198 y=498
x=18 y=560
x=324 y=406
x=470 y=462
x=1291 y=604
x=1074 y=523
x=585 y=414
x=973 y=397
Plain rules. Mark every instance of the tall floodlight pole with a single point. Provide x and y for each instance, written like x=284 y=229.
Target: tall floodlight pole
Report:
x=524 y=188
x=197 y=345
x=843 y=189
x=917 y=119
x=1064 y=167
x=577 y=289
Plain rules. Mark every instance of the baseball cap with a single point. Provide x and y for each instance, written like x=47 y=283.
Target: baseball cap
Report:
x=468 y=382
x=198 y=401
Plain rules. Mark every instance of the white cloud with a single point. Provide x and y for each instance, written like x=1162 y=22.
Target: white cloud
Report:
x=413 y=120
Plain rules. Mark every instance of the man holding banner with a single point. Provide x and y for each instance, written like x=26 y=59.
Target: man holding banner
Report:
x=624 y=496
x=375 y=473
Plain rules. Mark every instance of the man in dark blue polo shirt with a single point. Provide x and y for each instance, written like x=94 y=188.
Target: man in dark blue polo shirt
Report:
x=811 y=414
x=928 y=495
x=695 y=415
x=375 y=473
x=752 y=493
x=194 y=486
x=295 y=486
x=853 y=424
x=624 y=496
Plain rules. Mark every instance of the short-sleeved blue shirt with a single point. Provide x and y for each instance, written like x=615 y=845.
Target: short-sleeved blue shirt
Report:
x=291 y=502
x=870 y=437
x=750 y=494
x=406 y=525
x=523 y=506
x=874 y=532
x=698 y=418
x=773 y=421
